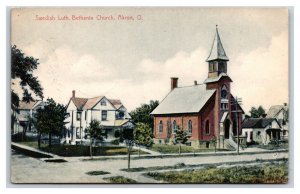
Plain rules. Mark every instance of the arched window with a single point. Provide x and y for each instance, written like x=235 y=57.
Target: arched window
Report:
x=174 y=127
x=160 y=127
x=207 y=127
x=190 y=126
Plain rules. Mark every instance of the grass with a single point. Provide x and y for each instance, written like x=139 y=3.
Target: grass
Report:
x=81 y=150
x=274 y=146
x=95 y=173
x=274 y=173
x=172 y=149
x=120 y=180
x=191 y=166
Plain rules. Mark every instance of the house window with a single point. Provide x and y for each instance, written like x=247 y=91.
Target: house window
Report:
x=103 y=103
x=78 y=115
x=120 y=115
x=104 y=115
x=190 y=126
x=174 y=127
x=207 y=127
x=85 y=115
x=160 y=127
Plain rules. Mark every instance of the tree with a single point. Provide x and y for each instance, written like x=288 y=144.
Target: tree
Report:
x=142 y=113
x=143 y=135
x=257 y=112
x=128 y=136
x=22 y=68
x=180 y=137
x=93 y=132
x=50 y=120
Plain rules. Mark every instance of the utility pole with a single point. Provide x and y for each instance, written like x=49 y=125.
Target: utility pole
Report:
x=236 y=102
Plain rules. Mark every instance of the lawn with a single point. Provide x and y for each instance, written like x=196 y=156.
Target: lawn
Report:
x=81 y=150
x=172 y=149
x=265 y=173
x=120 y=180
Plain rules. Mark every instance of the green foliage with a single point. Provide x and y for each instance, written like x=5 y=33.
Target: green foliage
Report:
x=257 y=112
x=181 y=136
x=266 y=173
x=120 y=179
x=50 y=119
x=143 y=134
x=22 y=68
x=95 y=173
x=94 y=131
x=142 y=113
x=167 y=149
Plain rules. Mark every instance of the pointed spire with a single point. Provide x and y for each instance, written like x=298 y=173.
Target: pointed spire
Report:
x=217 y=51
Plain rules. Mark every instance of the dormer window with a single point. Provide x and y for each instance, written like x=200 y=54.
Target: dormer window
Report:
x=103 y=103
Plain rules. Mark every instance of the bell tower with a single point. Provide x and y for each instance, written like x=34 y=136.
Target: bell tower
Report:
x=217 y=59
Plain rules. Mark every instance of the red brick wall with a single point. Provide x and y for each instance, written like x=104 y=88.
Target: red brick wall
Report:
x=181 y=120
x=208 y=114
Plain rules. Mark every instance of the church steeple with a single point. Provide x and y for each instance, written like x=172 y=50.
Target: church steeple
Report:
x=217 y=51
x=217 y=59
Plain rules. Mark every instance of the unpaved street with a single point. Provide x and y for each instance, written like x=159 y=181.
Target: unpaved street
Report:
x=31 y=170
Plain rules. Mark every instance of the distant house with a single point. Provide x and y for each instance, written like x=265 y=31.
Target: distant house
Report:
x=206 y=111
x=23 y=114
x=261 y=130
x=81 y=111
x=280 y=112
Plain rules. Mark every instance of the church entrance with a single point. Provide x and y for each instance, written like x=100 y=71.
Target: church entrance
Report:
x=227 y=128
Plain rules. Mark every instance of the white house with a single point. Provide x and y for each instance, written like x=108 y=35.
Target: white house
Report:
x=111 y=113
x=280 y=112
x=261 y=130
x=23 y=114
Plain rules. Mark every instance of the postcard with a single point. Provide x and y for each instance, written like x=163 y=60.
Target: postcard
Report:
x=150 y=95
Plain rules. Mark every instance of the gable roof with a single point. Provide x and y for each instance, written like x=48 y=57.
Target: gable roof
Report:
x=28 y=105
x=257 y=122
x=274 y=110
x=190 y=99
x=91 y=102
x=116 y=103
x=79 y=102
x=215 y=79
x=217 y=51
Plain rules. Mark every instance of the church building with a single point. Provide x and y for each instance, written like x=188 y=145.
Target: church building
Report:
x=208 y=112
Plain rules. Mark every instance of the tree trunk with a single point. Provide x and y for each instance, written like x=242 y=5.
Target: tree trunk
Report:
x=50 y=140
x=139 y=151
x=179 y=148
x=39 y=140
x=91 y=148
x=128 y=158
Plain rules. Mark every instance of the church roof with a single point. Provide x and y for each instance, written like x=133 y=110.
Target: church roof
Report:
x=217 y=51
x=215 y=79
x=190 y=99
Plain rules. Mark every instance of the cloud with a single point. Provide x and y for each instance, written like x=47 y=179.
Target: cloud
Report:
x=261 y=76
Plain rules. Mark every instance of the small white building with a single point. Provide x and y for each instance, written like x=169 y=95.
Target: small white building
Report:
x=280 y=112
x=261 y=130
x=23 y=115
x=111 y=113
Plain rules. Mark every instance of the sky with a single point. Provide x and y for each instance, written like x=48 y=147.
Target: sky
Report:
x=133 y=60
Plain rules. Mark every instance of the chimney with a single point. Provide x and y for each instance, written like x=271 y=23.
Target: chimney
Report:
x=73 y=93
x=195 y=82
x=174 y=81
